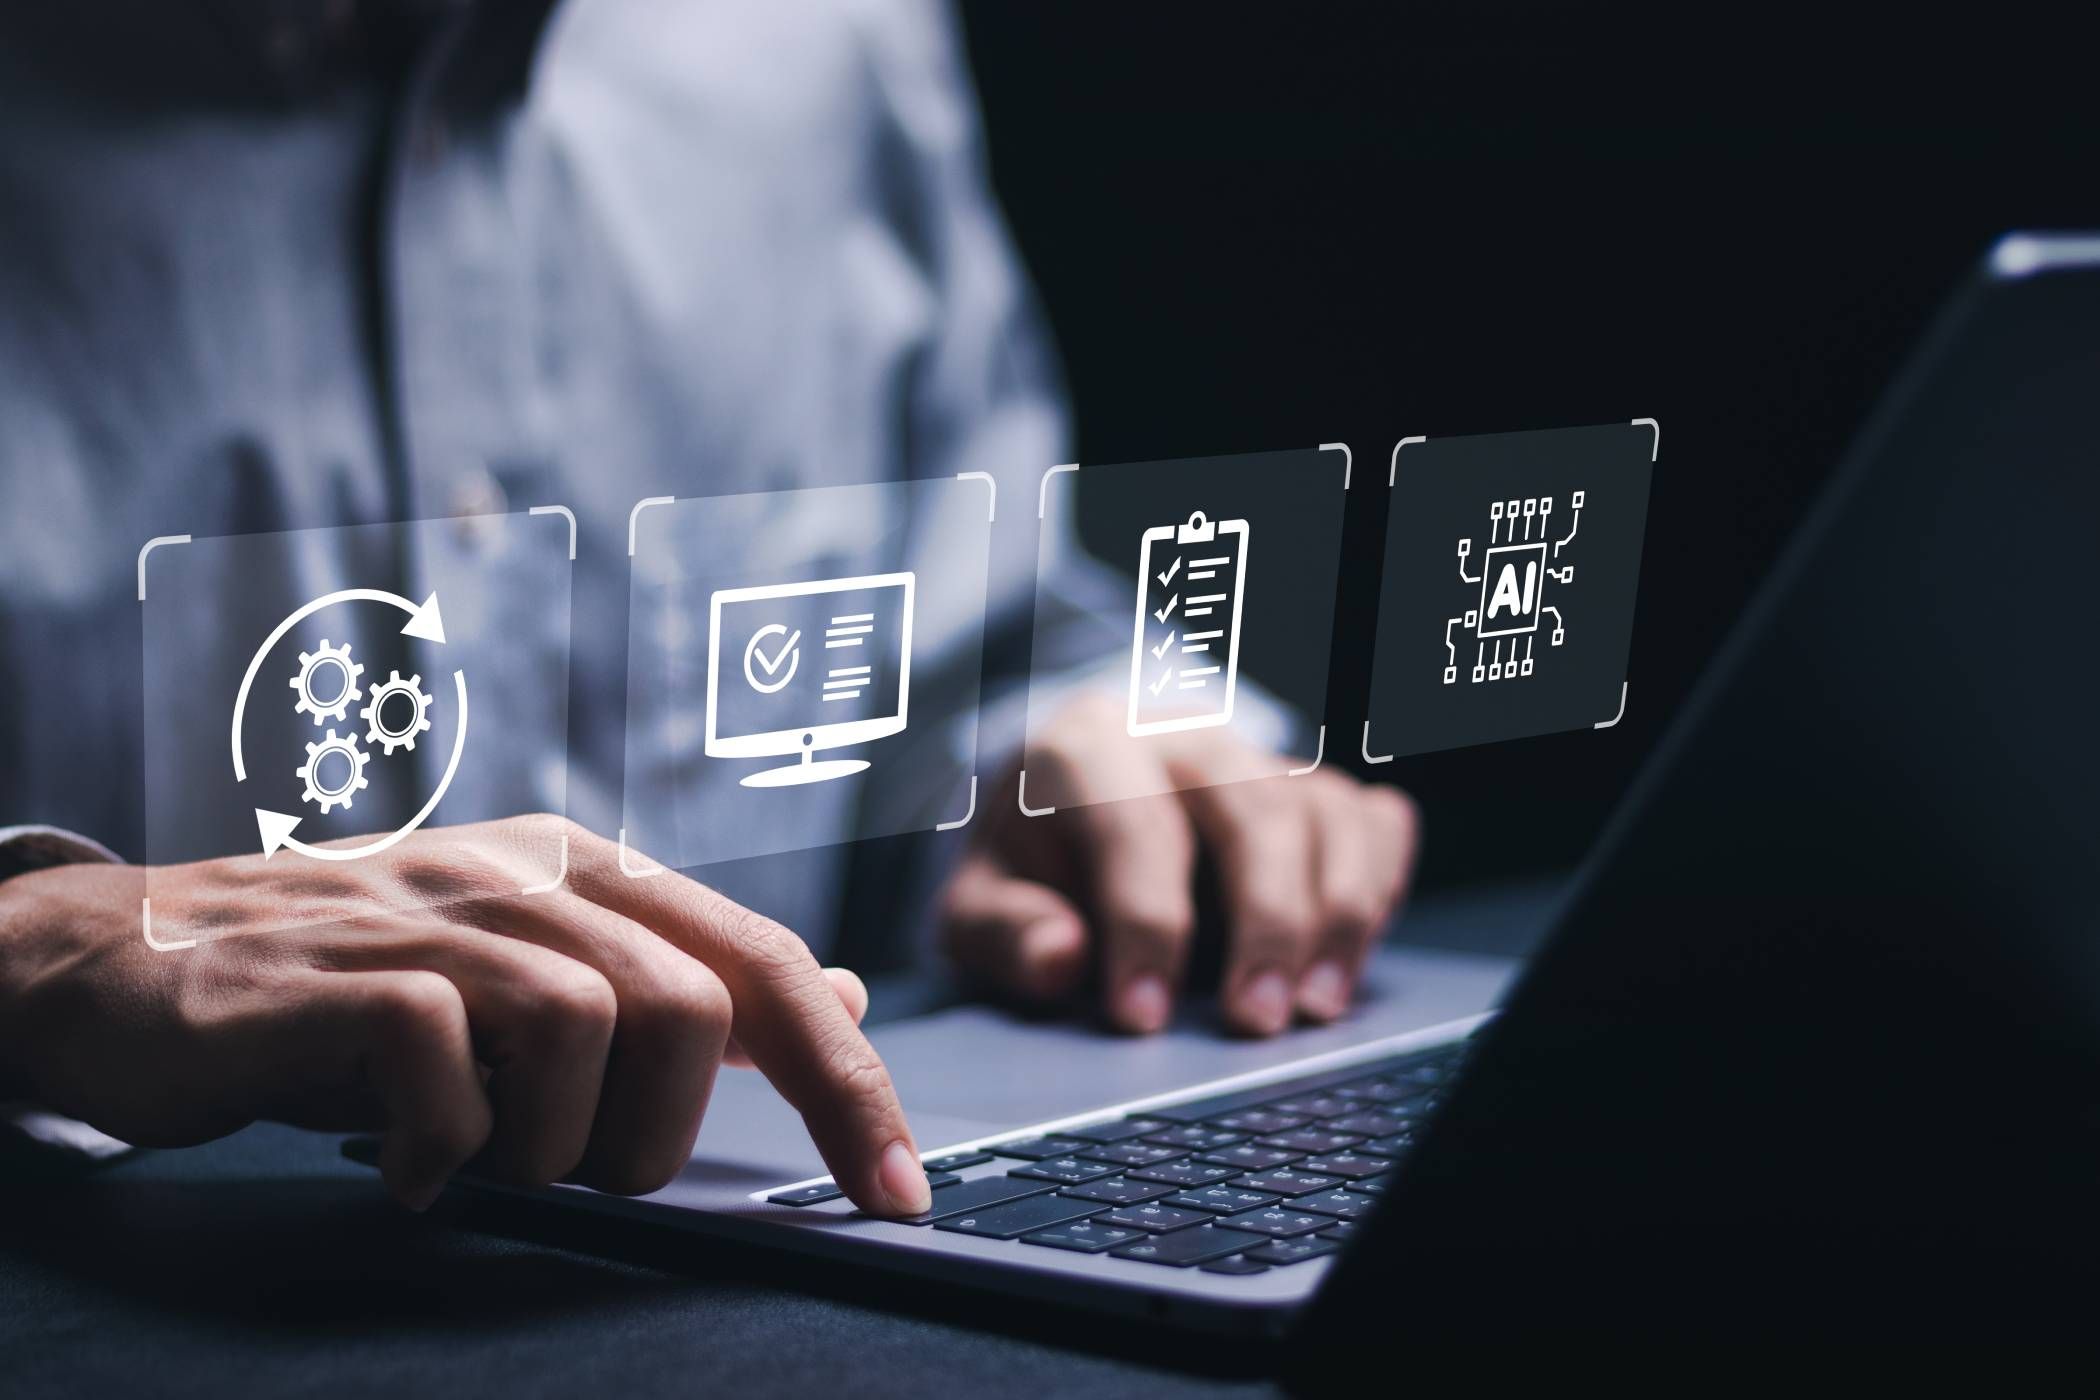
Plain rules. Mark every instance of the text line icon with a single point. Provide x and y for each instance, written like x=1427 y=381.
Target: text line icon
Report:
x=1179 y=679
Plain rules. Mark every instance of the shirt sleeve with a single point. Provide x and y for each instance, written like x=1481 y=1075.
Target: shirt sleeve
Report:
x=25 y=1129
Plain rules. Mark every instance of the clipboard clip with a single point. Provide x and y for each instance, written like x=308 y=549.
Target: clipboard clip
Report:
x=1199 y=530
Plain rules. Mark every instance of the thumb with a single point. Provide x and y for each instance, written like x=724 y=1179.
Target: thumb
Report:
x=1019 y=936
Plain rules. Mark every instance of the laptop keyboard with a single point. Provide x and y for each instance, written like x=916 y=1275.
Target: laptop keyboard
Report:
x=1236 y=1183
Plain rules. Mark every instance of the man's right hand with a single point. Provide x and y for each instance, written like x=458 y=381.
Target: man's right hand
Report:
x=566 y=1036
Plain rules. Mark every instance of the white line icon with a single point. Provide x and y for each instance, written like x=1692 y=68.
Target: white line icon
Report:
x=1512 y=581
x=1185 y=637
x=860 y=693
x=275 y=828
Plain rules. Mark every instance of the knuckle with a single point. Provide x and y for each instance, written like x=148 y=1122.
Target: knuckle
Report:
x=418 y=1007
x=857 y=1074
x=686 y=1012
x=573 y=1004
x=770 y=950
x=1393 y=807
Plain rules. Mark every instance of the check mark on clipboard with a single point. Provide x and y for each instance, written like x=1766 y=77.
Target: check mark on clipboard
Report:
x=1185 y=637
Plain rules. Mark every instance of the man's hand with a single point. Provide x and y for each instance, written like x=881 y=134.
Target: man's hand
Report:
x=1311 y=868
x=572 y=1035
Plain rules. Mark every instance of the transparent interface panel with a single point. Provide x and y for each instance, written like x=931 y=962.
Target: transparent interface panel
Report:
x=804 y=668
x=1506 y=604
x=324 y=705
x=1184 y=623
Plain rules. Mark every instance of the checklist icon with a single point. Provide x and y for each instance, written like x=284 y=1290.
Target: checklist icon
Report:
x=1185 y=640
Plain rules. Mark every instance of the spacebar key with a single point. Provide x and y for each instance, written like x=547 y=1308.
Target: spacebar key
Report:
x=980 y=1194
x=1018 y=1218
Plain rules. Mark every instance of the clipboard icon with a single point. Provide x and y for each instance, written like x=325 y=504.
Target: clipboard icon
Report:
x=1185 y=640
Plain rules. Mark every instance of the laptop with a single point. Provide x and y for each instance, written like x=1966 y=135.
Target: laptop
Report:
x=1817 y=1030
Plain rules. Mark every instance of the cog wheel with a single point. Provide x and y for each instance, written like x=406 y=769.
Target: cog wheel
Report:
x=341 y=794
x=323 y=659
x=402 y=736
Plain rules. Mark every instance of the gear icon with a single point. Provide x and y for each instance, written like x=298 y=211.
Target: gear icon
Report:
x=338 y=659
x=400 y=736
x=338 y=794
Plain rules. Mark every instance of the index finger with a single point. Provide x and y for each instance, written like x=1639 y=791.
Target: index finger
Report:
x=790 y=1020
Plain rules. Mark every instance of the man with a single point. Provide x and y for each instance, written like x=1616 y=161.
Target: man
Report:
x=290 y=267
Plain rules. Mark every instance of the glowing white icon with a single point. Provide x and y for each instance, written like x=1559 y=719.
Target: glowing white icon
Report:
x=326 y=685
x=859 y=692
x=1512 y=579
x=1185 y=639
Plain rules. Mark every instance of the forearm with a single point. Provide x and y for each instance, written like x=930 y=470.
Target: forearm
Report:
x=28 y=942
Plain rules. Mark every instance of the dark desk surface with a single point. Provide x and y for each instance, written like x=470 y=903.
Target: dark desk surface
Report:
x=267 y=1263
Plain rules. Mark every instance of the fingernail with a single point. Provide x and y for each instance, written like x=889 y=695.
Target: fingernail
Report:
x=904 y=1180
x=420 y=1197
x=1266 y=1003
x=1325 y=990
x=1142 y=1005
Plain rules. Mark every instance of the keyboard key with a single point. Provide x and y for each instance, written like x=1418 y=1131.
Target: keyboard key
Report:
x=1032 y=1149
x=955 y=1161
x=1197 y=1138
x=807 y=1195
x=1381 y=1091
x=1367 y=1124
x=1317 y=1105
x=1222 y=1200
x=1342 y=1205
x=1340 y=1230
x=1293 y=1251
x=1115 y=1130
x=1134 y=1154
x=1156 y=1218
x=1260 y=1120
x=1279 y=1222
x=1311 y=1140
x=1398 y=1145
x=1250 y=1157
x=1065 y=1169
x=1188 y=1173
x=981 y=1194
x=1017 y=1218
x=1085 y=1236
x=1185 y=1247
x=1285 y=1181
x=1348 y=1164
x=1376 y=1185
x=1119 y=1191
x=1235 y=1264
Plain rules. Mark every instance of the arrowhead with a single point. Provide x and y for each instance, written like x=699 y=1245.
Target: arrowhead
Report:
x=276 y=829
x=426 y=622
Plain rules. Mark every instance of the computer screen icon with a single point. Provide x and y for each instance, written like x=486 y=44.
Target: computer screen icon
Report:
x=795 y=668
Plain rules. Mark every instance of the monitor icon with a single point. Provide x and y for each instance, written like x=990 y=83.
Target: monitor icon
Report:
x=852 y=687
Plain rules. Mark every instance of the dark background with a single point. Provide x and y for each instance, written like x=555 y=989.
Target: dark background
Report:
x=1281 y=227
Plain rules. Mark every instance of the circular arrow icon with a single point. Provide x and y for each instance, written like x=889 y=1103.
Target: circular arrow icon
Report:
x=275 y=828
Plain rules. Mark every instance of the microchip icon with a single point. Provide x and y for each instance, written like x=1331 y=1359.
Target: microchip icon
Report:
x=1512 y=587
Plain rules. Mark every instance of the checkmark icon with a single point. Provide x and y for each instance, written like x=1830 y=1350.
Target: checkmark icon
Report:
x=786 y=654
x=1159 y=653
x=1161 y=684
x=1164 y=613
x=1172 y=569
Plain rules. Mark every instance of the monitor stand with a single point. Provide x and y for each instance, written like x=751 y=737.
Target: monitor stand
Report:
x=809 y=770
